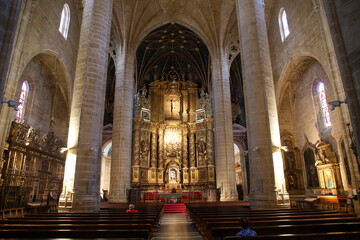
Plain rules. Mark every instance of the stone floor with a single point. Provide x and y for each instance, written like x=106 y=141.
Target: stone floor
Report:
x=176 y=226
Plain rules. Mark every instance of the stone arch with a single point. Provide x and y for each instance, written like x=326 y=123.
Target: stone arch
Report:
x=241 y=170
x=105 y=165
x=62 y=70
x=49 y=96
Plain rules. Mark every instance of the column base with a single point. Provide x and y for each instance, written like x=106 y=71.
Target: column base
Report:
x=269 y=201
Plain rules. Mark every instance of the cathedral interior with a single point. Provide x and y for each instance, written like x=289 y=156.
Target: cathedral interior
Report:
x=252 y=100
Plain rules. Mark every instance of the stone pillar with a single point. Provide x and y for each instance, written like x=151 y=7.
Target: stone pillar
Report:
x=122 y=125
x=339 y=17
x=268 y=189
x=82 y=169
x=224 y=140
x=8 y=17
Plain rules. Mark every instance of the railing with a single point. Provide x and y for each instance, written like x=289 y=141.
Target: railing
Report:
x=341 y=207
x=12 y=213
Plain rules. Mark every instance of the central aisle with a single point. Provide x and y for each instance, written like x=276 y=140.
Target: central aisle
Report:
x=176 y=226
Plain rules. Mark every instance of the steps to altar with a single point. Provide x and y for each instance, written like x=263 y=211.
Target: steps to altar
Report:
x=174 y=208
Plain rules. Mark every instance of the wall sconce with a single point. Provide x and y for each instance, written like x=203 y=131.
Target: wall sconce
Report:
x=11 y=103
x=336 y=103
x=254 y=149
x=284 y=148
x=63 y=149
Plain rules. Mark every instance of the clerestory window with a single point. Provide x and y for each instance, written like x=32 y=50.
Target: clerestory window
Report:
x=283 y=25
x=65 y=21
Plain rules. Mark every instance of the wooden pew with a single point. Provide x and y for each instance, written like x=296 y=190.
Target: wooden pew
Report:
x=202 y=223
x=310 y=236
x=217 y=222
x=79 y=233
x=109 y=224
x=219 y=233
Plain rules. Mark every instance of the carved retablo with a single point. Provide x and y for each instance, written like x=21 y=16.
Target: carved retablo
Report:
x=172 y=142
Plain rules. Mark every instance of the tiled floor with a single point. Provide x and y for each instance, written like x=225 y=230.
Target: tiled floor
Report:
x=176 y=226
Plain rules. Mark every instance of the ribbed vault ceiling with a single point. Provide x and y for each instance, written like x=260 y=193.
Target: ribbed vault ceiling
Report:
x=172 y=46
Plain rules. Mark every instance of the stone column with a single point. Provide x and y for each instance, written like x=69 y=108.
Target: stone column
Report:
x=9 y=18
x=82 y=169
x=268 y=189
x=122 y=125
x=339 y=19
x=223 y=138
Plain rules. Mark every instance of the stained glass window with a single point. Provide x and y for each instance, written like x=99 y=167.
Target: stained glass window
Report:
x=23 y=96
x=324 y=105
x=65 y=21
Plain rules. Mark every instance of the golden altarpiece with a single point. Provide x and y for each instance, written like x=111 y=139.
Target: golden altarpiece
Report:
x=173 y=136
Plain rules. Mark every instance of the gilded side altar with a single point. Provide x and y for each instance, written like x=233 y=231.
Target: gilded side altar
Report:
x=173 y=136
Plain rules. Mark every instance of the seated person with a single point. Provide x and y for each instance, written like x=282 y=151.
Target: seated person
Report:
x=246 y=231
x=131 y=209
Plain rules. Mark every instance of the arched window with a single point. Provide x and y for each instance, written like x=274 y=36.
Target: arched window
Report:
x=65 y=21
x=23 y=97
x=324 y=105
x=283 y=25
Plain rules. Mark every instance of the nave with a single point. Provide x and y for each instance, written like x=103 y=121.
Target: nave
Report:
x=176 y=226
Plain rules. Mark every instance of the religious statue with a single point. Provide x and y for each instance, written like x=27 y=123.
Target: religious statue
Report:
x=201 y=148
x=144 y=149
x=172 y=106
x=292 y=182
x=172 y=175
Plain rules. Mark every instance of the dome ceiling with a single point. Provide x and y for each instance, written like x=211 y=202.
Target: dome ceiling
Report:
x=172 y=46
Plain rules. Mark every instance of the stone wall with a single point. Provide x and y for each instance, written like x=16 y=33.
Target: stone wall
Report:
x=305 y=38
x=47 y=61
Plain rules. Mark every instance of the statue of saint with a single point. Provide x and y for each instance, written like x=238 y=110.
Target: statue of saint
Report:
x=172 y=106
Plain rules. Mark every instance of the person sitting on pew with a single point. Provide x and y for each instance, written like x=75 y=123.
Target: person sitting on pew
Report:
x=132 y=209
x=246 y=231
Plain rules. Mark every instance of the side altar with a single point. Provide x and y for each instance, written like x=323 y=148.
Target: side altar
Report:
x=173 y=137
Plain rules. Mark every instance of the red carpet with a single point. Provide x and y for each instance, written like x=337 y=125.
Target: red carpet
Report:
x=174 y=208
